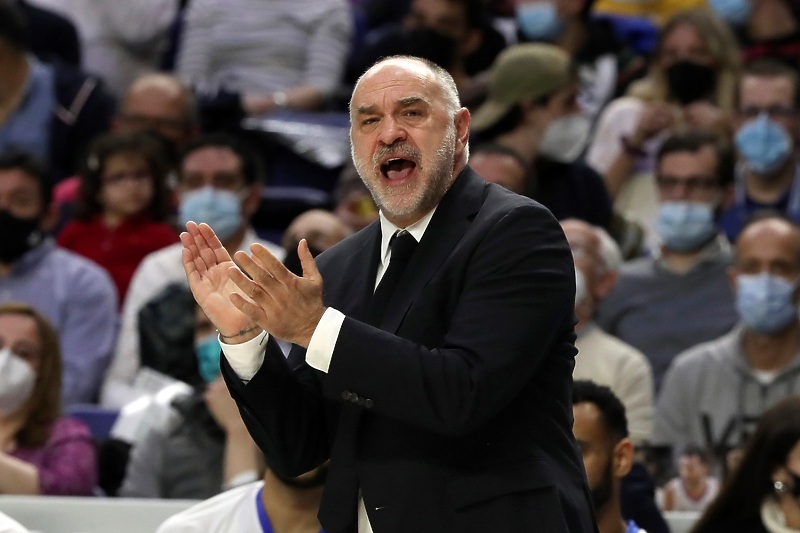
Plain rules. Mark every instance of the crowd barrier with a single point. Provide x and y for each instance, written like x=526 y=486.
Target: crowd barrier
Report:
x=55 y=514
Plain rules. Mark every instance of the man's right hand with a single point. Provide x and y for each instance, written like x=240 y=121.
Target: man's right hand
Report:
x=207 y=263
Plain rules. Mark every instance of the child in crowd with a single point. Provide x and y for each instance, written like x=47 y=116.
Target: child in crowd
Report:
x=122 y=205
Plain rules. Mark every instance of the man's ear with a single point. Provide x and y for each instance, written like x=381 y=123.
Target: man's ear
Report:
x=462 y=121
x=623 y=458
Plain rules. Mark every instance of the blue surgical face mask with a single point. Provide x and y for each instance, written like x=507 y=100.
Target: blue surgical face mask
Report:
x=765 y=145
x=220 y=209
x=734 y=12
x=208 y=352
x=538 y=21
x=765 y=302
x=685 y=226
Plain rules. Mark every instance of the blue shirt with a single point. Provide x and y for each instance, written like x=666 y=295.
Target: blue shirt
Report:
x=28 y=127
x=79 y=299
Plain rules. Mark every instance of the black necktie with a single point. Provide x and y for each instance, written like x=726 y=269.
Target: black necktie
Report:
x=402 y=244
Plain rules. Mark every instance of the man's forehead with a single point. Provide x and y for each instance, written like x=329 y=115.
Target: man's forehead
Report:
x=403 y=73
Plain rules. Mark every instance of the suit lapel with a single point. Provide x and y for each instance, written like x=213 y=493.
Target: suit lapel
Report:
x=451 y=220
x=355 y=281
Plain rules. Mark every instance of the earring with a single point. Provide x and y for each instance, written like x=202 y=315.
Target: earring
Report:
x=780 y=487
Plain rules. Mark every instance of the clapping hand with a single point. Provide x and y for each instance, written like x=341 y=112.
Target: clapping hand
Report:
x=271 y=299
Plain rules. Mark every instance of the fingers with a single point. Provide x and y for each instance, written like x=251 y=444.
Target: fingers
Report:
x=253 y=311
x=213 y=243
x=310 y=270
x=270 y=263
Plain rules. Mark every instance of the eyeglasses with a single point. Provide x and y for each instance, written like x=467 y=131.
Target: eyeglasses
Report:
x=134 y=175
x=773 y=111
x=693 y=184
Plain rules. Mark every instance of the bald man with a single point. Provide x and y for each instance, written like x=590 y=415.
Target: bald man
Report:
x=714 y=393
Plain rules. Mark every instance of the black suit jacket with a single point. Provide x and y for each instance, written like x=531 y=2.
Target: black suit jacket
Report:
x=455 y=415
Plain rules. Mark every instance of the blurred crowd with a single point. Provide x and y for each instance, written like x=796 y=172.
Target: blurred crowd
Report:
x=664 y=135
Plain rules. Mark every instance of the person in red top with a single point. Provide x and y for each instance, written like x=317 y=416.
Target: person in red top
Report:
x=122 y=205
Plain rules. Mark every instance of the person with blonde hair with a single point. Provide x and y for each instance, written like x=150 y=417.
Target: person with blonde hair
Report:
x=691 y=83
x=41 y=452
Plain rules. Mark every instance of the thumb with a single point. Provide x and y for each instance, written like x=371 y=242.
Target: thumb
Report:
x=310 y=271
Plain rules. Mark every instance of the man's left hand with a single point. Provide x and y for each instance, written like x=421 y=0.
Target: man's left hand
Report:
x=287 y=306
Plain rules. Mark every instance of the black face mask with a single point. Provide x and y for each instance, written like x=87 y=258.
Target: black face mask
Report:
x=689 y=82
x=17 y=236
x=432 y=45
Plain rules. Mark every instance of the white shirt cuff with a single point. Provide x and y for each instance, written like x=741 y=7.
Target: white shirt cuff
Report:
x=245 y=358
x=323 y=340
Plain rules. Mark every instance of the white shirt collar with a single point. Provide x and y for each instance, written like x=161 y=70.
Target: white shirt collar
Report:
x=417 y=230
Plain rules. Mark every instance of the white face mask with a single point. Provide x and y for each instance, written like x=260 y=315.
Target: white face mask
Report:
x=17 y=379
x=565 y=138
x=581 y=290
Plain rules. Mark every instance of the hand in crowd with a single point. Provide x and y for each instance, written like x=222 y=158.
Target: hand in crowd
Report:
x=707 y=116
x=656 y=118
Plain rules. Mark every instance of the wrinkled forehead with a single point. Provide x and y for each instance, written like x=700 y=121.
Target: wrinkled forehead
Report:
x=395 y=79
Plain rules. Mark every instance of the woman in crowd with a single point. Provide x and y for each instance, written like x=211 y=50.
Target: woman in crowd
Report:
x=761 y=495
x=122 y=205
x=691 y=82
x=41 y=452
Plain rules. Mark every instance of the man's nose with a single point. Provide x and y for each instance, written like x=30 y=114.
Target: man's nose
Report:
x=391 y=131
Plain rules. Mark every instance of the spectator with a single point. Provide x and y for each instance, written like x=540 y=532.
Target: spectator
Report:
x=601 y=430
x=680 y=297
x=768 y=122
x=154 y=103
x=454 y=34
x=353 y=202
x=691 y=82
x=714 y=393
x=605 y=67
x=123 y=205
x=40 y=451
x=50 y=111
x=321 y=229
x=500 y=164
x=537 y=115
x=160 y=104
x=603 y=358
x=219 y=184
x=768 y=29
x=120 y=41
x=694 y=488
x=260 y=57
x=76 y=295
x=201 y=446
x=280 y=505
x=760 y=496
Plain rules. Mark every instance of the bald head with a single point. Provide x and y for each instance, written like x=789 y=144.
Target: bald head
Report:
x=161 y=104
x=769 y=245
x=322 y=229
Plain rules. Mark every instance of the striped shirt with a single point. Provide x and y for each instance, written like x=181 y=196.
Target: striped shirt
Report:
x=260 y=46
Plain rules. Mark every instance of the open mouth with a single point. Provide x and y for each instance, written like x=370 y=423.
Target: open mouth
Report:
x=397 y=168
